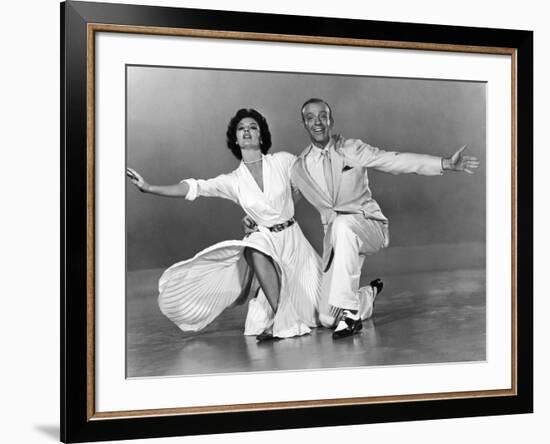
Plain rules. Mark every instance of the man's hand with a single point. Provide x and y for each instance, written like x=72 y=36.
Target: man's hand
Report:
x=458 y=162
x=249 y=226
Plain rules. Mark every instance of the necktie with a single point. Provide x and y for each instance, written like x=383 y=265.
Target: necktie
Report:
x=327 y=169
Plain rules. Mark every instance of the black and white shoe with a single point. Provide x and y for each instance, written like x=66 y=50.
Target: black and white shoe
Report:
x=349 y=324
x=378 y=285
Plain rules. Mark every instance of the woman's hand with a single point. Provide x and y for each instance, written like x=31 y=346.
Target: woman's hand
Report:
x=180 y=189
x=338 y=141
x=249 y=226
x=137 y=180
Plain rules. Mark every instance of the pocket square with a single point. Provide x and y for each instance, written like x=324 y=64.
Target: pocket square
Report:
x=346 y=168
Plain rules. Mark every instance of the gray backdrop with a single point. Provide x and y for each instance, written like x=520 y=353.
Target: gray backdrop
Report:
x=176 y=123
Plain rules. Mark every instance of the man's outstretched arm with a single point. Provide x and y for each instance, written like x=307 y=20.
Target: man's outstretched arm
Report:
x=358 y=153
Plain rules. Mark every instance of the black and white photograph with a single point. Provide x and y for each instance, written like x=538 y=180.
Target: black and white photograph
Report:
x=268 y=222
x=280 y=221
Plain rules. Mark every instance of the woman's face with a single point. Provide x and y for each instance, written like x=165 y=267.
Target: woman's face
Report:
x=248 y=133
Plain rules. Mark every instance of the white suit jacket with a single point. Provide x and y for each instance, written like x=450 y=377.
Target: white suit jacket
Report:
x=352 y=194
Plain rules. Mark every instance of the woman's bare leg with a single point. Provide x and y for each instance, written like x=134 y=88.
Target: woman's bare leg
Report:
x=267 y=275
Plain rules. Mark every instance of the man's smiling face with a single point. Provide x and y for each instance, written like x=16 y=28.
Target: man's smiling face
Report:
x=318 y=123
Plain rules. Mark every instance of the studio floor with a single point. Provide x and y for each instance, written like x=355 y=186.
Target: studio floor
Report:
x=420 y=318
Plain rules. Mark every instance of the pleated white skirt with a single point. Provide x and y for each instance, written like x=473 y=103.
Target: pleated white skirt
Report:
x=194 y=292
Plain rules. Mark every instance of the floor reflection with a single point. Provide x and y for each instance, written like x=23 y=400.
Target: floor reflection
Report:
x=419 y=318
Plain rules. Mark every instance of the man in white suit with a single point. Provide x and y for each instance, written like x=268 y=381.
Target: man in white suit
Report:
x=331 y=173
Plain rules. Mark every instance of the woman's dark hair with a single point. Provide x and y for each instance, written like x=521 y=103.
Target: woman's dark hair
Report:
x=265 y=135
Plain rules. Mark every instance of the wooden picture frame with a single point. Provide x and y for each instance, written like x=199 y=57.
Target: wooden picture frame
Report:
x=80 y=419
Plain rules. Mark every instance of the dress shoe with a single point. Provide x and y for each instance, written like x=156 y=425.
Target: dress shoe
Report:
x=378 y=285
x=266 y=336
x=348 y=325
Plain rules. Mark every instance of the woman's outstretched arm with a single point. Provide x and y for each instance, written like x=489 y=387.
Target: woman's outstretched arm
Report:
x=177 y=190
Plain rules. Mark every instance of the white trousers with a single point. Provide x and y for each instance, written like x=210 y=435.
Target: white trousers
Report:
x=353 y=238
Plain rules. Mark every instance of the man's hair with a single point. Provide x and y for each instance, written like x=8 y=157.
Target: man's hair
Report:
x=317 y=100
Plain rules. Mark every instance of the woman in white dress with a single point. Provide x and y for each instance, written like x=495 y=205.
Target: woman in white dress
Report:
x=276 y=262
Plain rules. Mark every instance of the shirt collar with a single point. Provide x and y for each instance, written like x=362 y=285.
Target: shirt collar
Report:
x=315 y=152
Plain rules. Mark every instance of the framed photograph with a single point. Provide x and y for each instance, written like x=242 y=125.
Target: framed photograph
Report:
x=276 y=221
